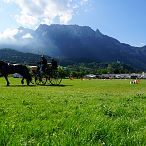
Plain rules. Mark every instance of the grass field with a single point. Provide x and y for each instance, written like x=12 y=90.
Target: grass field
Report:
x=77 y=113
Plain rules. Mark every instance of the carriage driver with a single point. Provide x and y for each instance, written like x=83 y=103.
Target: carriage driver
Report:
x=54 y=64
x=43 y=64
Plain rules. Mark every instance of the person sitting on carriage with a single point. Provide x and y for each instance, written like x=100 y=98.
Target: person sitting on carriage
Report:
x=54 y=64
x=43 y=64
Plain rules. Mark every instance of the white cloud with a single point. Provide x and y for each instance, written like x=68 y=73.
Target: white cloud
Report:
x=141 y=44
x=65 y=17
x=27 y=36
x=34 y=12
x=26 y=19
x=8 y=34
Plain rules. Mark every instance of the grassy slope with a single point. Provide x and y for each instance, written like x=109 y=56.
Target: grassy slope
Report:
x=89 y=112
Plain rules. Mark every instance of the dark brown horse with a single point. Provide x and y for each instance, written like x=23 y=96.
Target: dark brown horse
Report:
x=6 y=69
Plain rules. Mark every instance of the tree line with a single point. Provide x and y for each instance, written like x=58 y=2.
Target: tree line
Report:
x=81 y=69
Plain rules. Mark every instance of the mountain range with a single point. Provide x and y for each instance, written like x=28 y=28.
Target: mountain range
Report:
x=78 y=44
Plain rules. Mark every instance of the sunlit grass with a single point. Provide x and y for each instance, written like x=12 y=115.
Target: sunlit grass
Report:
x=88 y=112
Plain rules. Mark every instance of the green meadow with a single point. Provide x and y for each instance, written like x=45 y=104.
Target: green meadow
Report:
x=76 y=113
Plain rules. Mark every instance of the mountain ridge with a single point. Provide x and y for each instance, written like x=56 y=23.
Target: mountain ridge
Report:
x=77 y=42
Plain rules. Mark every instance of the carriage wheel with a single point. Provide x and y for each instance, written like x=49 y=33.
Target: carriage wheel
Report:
x=40 y=79
x=55 y=78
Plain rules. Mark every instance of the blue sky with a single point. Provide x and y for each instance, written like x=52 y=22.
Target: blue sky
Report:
x=124 y=20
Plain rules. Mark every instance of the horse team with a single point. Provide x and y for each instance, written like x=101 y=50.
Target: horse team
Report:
x=6 y=69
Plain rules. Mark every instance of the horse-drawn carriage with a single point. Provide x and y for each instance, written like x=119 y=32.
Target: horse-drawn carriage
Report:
x=51 y=75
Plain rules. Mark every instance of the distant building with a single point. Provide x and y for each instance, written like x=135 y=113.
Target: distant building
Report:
x=90 y=76
x=143 y=75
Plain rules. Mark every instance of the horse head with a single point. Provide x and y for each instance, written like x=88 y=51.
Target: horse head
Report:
x=2 y=63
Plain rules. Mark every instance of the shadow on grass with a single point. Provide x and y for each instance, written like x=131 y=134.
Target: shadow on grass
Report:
x=19 y=86
x=61 y=85
x=34 y=85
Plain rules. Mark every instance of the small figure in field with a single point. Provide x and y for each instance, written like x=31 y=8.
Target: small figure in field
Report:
x=54 y=64
x=43 y=64
x=135 y=81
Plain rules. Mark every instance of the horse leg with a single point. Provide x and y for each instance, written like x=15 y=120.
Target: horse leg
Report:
x=27 y=82
x=6 y=77
x=22 y=81
x=28 y=79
